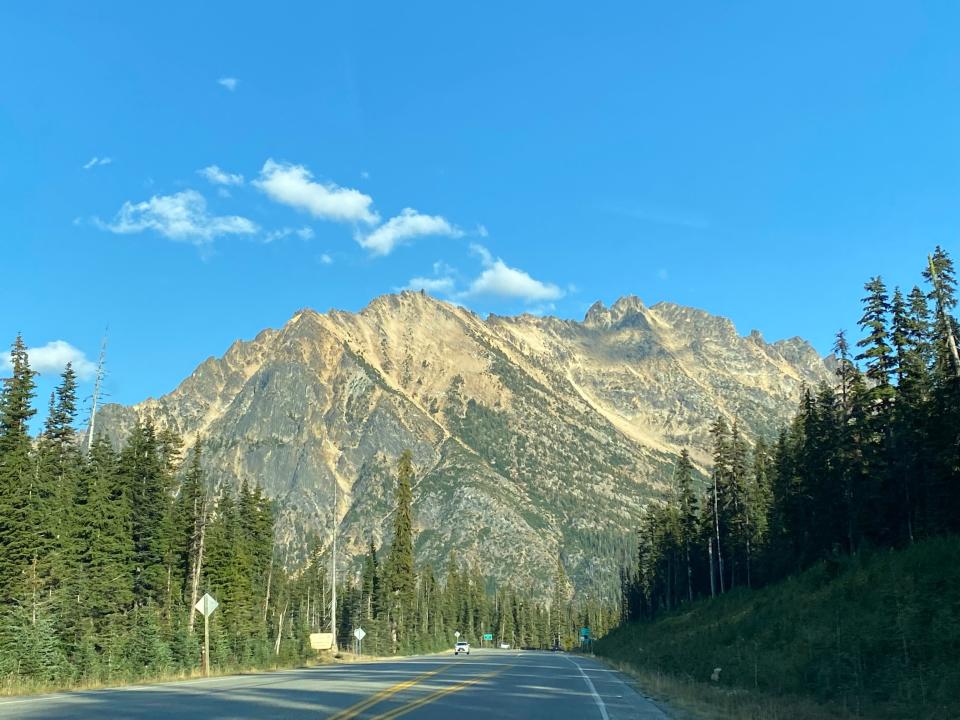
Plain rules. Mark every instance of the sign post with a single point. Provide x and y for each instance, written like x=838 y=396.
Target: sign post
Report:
x=584 y=636
x=359 y=634
x=487 y=637
x=205 y=606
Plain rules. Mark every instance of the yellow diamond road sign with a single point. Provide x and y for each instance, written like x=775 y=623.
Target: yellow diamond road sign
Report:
x=206 y=605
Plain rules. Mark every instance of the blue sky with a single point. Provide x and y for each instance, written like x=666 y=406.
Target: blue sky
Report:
x=191 y=173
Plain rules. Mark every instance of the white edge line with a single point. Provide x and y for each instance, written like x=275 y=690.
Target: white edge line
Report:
x=596 y=697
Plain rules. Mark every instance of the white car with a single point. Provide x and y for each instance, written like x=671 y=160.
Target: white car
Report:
x=461 y=647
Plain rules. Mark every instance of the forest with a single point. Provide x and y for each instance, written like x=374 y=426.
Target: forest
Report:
x=870 y=462
x=105 y=551
x=813 y=574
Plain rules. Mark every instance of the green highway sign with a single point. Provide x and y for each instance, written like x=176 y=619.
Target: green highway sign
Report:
x=585 y=632
x=488 y=636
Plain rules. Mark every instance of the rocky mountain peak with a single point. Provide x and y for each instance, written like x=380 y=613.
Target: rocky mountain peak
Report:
x=544 y=437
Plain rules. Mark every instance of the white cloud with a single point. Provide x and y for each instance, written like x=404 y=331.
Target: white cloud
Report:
x=230 y=83
x=218 y=177
x=408 y=224
x=53 y=357
x=324 y=259
x=500 y=280
x=435 y=285
x=304 y=233
x=97 y=161
x=441 y=268
x=485 y=257
x=293 y=185
x=182 y=216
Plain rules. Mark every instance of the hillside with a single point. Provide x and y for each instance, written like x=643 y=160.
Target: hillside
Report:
x=541 y=436
x=877 y=636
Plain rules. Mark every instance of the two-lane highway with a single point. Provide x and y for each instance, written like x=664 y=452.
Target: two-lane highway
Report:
x=502 y=684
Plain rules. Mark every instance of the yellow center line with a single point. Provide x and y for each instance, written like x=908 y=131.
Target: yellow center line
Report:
x=354 y=710
x=414 y=704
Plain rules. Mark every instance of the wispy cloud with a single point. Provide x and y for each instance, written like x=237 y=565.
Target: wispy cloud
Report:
x=500 y=280
x=217 y=176
x=293 y=185
x=230 y=83
x=96 y=162
x=433 y=285
x=324 y=259
x=405 y=226
x=496 y=280
x=182 y=217
x=304 y=233
x=52 y=358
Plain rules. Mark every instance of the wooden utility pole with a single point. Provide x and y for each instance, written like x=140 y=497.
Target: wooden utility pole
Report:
x=206 y=645
x=333 y=573
x=206 y=605
x=196 y=570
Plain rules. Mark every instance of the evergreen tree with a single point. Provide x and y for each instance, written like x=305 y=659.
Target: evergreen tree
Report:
x=16 y=473
x=688 y=511
x=400 y=577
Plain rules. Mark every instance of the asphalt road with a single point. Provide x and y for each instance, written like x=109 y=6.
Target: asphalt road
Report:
x=494 y=683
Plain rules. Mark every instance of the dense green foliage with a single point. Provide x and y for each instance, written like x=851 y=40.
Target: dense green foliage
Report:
x=404 y=609
x=870 y=463
x=873 y=461
x=877 y=633
x=104 y=552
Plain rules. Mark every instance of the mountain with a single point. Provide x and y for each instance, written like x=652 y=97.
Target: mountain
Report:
x=534 y=437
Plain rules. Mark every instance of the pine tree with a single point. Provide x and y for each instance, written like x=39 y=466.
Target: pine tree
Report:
x=105 y=538
x=400 y=575
x=16 y=473
x=688 y=522
x=877 y=352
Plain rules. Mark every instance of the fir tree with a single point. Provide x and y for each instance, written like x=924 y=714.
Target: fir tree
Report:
x=16 y=472
x=400 y=577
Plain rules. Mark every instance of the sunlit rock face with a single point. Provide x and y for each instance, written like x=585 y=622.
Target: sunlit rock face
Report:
x=533 y=437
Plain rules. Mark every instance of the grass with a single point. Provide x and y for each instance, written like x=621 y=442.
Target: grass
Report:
x=875 y=636
x=685 y=699
x=12 y=686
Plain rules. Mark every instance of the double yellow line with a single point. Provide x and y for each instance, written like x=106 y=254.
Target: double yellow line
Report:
x=353 y=711
x=414 y=704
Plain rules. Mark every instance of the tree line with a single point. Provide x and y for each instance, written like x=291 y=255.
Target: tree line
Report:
x=869 y=461
x=105 y=551
x=405 y=608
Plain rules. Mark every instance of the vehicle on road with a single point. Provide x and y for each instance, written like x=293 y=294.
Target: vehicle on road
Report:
x=461 y=647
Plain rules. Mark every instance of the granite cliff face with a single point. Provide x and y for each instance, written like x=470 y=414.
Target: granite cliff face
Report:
x=534 y=437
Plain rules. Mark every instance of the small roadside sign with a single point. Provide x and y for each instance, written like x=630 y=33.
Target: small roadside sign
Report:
x=585 y=632
x=321 y=641
x=359 y=634
x=488 y=636
x=456 y=634
x=206 y=605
